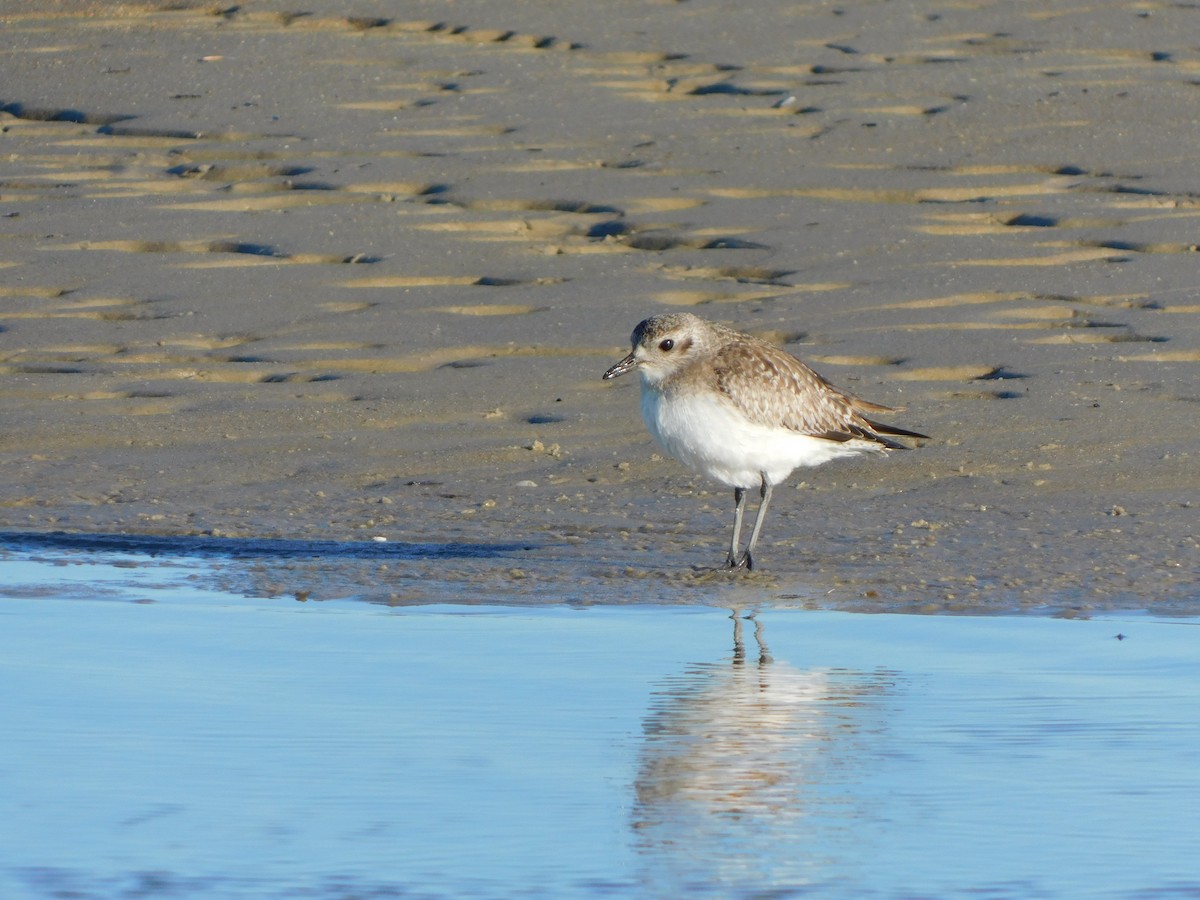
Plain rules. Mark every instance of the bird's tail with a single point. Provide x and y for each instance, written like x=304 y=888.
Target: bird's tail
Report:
x=883 y=431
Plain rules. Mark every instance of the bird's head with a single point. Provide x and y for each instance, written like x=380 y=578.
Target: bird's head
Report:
x=662 y=345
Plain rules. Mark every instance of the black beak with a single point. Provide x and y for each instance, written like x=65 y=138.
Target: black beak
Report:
x=628 y=364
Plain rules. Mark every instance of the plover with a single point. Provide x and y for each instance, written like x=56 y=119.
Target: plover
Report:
x=744 y=412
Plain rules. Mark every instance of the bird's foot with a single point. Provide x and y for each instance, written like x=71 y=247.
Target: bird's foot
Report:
x=741 y=562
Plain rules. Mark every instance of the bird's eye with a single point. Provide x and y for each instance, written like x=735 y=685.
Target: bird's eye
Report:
x=666 y=345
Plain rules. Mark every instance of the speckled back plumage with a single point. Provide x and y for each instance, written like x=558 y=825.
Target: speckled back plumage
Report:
x=739 y=366
x=800 y=399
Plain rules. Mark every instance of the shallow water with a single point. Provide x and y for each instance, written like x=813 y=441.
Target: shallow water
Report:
x=163 y=739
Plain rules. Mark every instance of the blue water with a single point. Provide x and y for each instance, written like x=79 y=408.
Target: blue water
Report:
x=161 y=739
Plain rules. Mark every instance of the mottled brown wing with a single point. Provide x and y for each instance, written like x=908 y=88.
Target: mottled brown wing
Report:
x=771 y=387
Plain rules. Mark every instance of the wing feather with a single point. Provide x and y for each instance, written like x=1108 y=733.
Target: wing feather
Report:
x=771 y=387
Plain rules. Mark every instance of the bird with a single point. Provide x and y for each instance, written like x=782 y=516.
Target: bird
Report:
x=744 y=412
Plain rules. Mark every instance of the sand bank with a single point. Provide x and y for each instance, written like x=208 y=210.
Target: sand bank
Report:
x=312 y=275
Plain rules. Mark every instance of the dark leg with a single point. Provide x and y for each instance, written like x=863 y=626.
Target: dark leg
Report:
x=739 y=646
x=765 y=493
x=739 y=497
x=764 y=653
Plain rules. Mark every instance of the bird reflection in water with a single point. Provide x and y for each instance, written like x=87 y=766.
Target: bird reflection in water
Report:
x=748 y=772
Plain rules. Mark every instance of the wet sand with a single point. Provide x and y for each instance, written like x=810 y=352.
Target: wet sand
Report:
x=292 y=276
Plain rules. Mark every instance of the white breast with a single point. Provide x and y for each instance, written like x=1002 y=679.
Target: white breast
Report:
x=708 y=435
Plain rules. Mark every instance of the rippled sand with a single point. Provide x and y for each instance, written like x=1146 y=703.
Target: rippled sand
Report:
x=294 y=274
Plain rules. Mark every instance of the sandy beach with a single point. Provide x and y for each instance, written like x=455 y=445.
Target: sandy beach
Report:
x=279 y=273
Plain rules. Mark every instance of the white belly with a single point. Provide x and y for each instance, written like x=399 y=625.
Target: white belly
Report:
x=711 y=437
